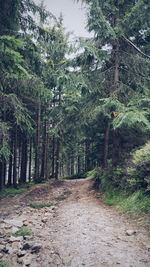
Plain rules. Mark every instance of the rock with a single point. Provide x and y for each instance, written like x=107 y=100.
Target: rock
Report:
x=28 y=237
x=14 y=229
x=15 y=239
x=27 y=260
x=20 y=260
x=25 y=223
x=130 y=232
x=14 y=222
x=1 y=255
x=26 y=246
x=2 y=247
x=44 y=220
x=36 y=248
x=21 y=253
x=8 y=249
x=16 y=246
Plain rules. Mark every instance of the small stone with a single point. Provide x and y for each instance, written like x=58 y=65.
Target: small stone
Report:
x=44 y=220
x=1 y=255
x=36 y=248
x=20 y=260
x=2 y=247
x=28 y=237
x=21 y=253
x=130 y=232
x=14 y=222
x=16 y=246
x=14 y=229
x=27 y=260
x=8 y=249
x=25 y=224
x=26 y=246
x=15 y=239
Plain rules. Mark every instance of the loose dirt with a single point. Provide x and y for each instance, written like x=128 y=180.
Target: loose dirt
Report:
x=77 y=230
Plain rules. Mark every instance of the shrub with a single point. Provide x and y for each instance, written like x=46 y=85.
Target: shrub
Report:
x=139 y=173
x=23 y=231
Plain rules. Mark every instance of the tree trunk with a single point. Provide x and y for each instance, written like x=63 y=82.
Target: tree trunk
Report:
x=57 y=159
x=30 y=161
x=1 y=175
x=87 y=156
x=24 y=160
x=53 y=157
x=4 y=172
x=44 y=153
x=72 y=163
x=15 y=159
x=37 y=145
x=106 y=145
x=10 y=163
x=116 y=149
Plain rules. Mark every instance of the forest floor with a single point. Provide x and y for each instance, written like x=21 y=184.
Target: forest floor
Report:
x=77 y=229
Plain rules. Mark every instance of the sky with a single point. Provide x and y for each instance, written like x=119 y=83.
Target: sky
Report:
x=74 y=15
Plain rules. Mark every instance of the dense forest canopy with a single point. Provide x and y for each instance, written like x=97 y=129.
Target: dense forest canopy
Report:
x=63 y=117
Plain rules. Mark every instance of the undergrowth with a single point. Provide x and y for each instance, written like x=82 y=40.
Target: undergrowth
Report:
x=12 y=192
x=23 y=231
x=135 y=203
x=4 y=264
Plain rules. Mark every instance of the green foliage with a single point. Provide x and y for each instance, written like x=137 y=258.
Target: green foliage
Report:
x=67 y=192
x=12 y=192
x=142 y=155
x=133 y=120
x=135 y=203
x=139 y=173
x=4 y=264
x=12 y=61
x=40 y=206
x=23 y=231
x=61 y=198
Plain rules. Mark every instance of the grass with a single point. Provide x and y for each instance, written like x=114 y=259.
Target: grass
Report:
x=4 y=264
x=41 y=205
x=135 y=203
x=67 y=192
x=12 y=192
x=23 y=231
x=60 y=198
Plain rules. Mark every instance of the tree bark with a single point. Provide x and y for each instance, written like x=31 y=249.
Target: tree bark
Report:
x=116 y=149
x=10 y=163
x=37 y=145
x=24 y=160
x=57 y=159
x=1 y=175
x=106 y=145
x=15 y=159
x=53 y=157
x=30 y=161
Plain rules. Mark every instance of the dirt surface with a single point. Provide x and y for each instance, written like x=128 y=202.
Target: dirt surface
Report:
x=77 y=230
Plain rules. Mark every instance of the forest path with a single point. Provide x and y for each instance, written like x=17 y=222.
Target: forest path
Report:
x=79 y=231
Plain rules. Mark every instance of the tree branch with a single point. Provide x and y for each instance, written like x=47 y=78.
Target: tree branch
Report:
x=135 y=47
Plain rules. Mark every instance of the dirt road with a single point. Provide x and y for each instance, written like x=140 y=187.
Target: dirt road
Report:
x=77 y=230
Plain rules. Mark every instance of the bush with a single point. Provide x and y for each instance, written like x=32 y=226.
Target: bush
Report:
x=139 y=173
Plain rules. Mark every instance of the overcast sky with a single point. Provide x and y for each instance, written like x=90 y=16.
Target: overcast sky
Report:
x=74 y=15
